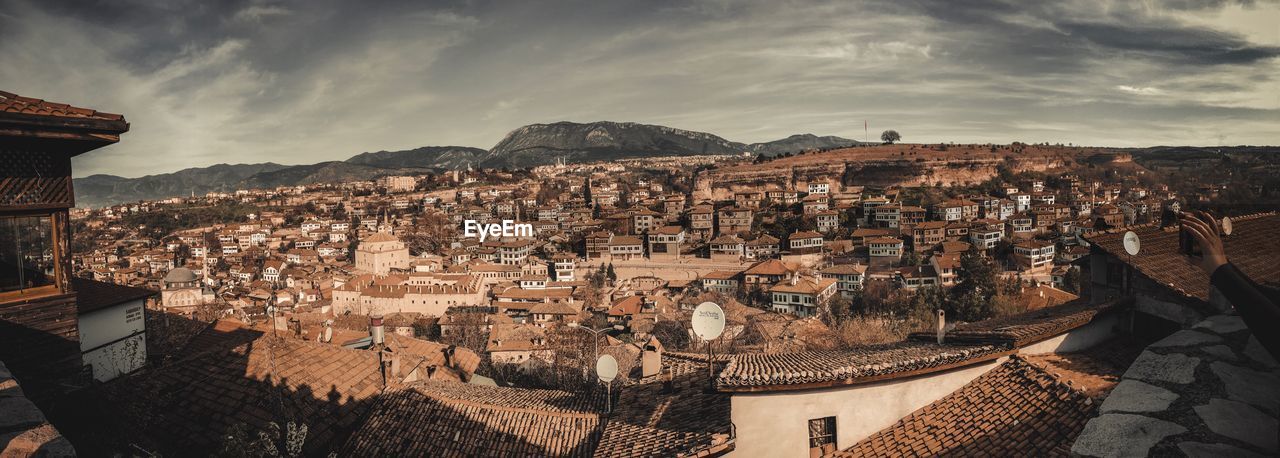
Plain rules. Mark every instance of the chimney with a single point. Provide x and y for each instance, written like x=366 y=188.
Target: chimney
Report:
x=651 y=361
x=448 y=356
x=942 y=325
x=794 y=279
x=375 y=329
x=390 y=366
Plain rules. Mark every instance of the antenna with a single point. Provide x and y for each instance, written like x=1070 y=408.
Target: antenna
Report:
x=708 y=324
x=607 y=371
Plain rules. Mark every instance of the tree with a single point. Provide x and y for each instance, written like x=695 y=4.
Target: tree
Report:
x=672 y=334
x=975 y=287
x=466 y=329
x=890 y=136
x=838 y=309
x=1071 y=281
x=613 y=276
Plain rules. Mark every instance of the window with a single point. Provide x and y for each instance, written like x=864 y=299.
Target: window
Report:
x=822 y=436
x=26 y=252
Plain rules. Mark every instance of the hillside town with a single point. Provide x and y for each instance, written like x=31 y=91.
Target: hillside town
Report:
x=626 y=244
x=463 y=312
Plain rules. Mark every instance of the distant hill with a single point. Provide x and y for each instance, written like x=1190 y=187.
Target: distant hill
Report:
x=540 y=144
x=99 y=190
x=441 y=157
x=803 y=142
x=531 y=145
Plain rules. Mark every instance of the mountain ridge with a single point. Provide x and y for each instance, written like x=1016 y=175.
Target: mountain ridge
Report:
x=526 y=146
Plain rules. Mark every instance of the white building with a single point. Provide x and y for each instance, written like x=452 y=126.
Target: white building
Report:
x=802 y=297
x=380 y=253
x=113 y=331
x=848 y=277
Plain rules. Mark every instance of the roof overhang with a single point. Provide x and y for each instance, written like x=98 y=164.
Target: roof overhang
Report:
x=70 y=135
x=853 y=381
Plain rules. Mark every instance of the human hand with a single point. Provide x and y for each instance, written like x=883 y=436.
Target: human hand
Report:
x=1204 y=229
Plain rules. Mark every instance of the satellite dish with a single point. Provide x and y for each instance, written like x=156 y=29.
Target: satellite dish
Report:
x=1226 y=225
x=708 y=321
x=1131 y=243
x=606 y=368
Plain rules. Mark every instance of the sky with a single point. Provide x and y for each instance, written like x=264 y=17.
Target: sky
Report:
x=207 y=82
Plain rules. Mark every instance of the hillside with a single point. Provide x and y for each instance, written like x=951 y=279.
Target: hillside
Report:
x=891 y=165
x=439 y=157
x=531 y=145
x=540 y=144
x=98 y=190
x=802 y=142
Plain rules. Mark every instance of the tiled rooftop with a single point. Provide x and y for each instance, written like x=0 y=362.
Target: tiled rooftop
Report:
x=747 y=372
x=1016 y=409
x=650 y=420
x=1252 y=246
x=92 y=295
x=13 y=103
x=191 y=404
x=452 y=419
x=1028 y=327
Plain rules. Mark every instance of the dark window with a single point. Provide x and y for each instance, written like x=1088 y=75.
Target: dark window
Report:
x=822 y=436
x=26 y=252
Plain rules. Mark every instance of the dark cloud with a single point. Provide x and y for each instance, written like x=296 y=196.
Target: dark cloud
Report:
x=301 y=81
x=1185 y=45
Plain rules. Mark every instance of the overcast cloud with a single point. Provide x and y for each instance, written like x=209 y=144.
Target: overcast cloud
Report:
x=206 y=82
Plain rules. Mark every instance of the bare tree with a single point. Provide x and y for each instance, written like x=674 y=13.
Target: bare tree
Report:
x=468 y=330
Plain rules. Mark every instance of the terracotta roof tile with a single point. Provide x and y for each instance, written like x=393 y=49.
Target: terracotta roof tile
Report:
x=93 y=295
x=1016 y=409
x=772 y=267
x=652 y=420
x=1253 y=247
x=13 y=103
x=189 y=405
x=746 y=372
x=1027 y=327
x=455 y=419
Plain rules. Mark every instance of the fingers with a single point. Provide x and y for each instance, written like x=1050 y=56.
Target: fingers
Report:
x=1208 y=220
x=1197 y=230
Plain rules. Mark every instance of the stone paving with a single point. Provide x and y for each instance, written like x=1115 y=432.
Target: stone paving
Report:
x=1209 y=391
x=23 y=428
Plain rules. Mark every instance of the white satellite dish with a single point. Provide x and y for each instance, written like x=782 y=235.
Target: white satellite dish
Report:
x=606 y=368
x=1226 y=225
x=1132 y=244
x=708 y=321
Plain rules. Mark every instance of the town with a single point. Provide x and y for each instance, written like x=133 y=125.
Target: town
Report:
x=323 y=317
x=612 y=229
x=622 y=245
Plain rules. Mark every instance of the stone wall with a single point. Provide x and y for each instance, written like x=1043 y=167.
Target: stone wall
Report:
x=24 y=431
x=1211 y=390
